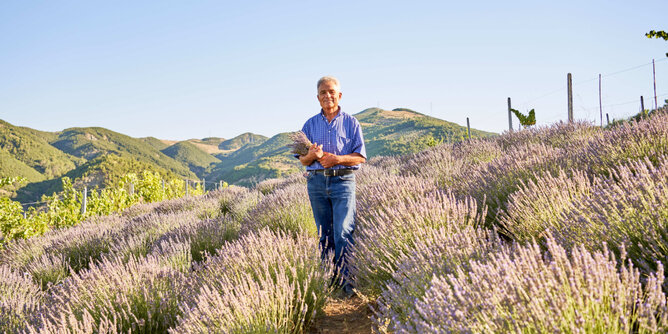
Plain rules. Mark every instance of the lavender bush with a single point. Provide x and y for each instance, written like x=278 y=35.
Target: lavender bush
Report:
x=562 y=135
x=139 y=296
x=236 y=202
x=287 y=210
x=522 y=291
x=270 y=185
x=20 y=298
x=388 y=231
x=630 y=207
x=493 y=182
x=628 y=142
x=537 y=206
x=438 y=252
x=264 y=282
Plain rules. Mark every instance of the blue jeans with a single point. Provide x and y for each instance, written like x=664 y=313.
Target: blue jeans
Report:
x=333 y=203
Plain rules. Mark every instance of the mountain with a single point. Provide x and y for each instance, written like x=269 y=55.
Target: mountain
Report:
x=99 y=157
x=386 y=132
x=90 y=143
x=402 y=131
x=242 y=140
x=251 y=164
x=192 y=156
x=155 y=143
x=32 y=149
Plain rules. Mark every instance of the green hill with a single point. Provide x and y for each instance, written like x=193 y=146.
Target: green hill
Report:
x=187 y=153
x=386 y=132
x=97 y=157
x=90 y=143
x=251 y=164
x=401 y=131
x=155 y=143
x=241 y=140
x=32 y=148
x=211 y=140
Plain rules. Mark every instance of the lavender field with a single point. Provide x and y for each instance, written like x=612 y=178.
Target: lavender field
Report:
x=562 y=229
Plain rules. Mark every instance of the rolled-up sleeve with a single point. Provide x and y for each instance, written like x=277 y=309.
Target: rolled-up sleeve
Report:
x=358 y=140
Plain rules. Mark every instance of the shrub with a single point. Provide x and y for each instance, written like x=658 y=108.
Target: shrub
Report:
x=520 y=291
x=141 y=296
x=438 y=252
x=491 y=183
x=538 y=205
x=20 y=299
x=287 y=210
x=627 y=142
x=630 y=207
x=236 y=202
x=388 y=231
x=264 y=282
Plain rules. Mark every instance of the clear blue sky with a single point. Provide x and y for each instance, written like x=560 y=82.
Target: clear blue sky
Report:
x=178 y=70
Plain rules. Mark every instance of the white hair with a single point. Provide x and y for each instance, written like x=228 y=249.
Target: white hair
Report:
x=328 y=79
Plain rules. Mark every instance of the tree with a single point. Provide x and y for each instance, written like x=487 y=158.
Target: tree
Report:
x=658 y=34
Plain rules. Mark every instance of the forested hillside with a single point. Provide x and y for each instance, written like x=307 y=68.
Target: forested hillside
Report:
x=96 y=157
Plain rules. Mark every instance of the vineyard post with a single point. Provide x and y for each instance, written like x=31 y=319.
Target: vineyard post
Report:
x=468 y=127
x=24 y=215
x=221 y=185
x=163 y=186
x=569 y=84
x=186 y=187
x=132 y=189
x=600 y=105
x=656 y=104
x=510 y=118
x=607 y=117
x=83 y=201
x=642 y=105
x=203 y=185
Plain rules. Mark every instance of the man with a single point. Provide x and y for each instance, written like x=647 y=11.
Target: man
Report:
x=337 y=151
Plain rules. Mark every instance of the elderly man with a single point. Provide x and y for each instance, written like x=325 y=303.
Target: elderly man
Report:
x=337 y=151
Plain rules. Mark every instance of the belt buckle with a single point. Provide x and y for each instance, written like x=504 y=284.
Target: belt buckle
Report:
x=329 y=172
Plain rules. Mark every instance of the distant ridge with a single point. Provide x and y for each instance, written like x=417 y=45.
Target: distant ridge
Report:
x=97 y=156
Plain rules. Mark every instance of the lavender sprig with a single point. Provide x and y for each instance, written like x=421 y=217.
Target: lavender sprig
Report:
x=300 y=143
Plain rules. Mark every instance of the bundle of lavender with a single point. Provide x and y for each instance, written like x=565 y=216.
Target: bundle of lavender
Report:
x=300 y=143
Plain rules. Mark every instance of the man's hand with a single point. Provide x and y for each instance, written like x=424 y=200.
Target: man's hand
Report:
x=315 y=151
x=329 y=160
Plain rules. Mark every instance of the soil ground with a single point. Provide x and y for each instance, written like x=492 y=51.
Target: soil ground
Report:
x=343 y=315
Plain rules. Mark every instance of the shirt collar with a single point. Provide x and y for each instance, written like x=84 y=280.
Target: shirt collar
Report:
x=322 y=113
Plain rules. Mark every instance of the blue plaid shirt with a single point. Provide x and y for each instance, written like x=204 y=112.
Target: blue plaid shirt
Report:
x=342 y=136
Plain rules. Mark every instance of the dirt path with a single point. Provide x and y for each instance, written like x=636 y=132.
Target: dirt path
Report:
x=350 y=315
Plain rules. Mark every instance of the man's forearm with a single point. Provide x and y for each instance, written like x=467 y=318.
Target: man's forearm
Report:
x=352 y=159
x=307 y=160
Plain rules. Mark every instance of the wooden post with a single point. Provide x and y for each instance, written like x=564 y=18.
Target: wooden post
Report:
x=468 y=127
x=163 y=186
x=187 y=188
x=600 y=104
x=132 y=188
x=510 y=117
x=24 y=215
x=569 y=84
x=656 y=103
x=221 y=185
x=642 y=105
x=607 y=117
x=83 y=201
x=203 y=185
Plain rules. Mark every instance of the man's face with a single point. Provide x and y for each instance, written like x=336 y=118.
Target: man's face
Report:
x=328 y=95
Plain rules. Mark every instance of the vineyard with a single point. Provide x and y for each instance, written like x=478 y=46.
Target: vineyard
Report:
x=554 y=229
